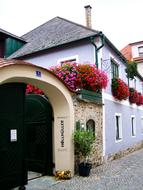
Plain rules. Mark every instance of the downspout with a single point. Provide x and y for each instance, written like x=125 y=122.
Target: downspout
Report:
x=97 y=48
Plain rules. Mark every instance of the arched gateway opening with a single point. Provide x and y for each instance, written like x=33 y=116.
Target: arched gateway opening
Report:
x=60 y=99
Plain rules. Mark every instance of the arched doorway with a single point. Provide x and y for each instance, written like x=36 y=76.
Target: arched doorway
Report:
x=61 y=100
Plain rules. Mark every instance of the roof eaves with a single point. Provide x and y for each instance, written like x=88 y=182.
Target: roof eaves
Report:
x=39 y=51
x=116 y=50
x=134 y=43
x=11 y=35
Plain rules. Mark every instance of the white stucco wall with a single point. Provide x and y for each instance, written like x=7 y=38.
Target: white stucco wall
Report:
x=83 y=51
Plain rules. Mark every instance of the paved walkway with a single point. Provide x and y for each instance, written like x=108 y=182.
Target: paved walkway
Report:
x=122 y=174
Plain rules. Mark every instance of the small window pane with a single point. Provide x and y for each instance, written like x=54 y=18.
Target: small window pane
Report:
x=133 y=126
x=68 y=61
x=140 y=50
x=114 y=69
x=90 y=125
x=118 y=127
x=142 y=125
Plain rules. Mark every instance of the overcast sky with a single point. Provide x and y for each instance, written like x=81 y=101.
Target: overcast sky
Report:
x=119 y=20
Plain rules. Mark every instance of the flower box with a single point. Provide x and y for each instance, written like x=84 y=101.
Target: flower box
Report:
x=90 y=96
x=120 y=90
x=140 y=100
x=134 y=96
x=81 y=76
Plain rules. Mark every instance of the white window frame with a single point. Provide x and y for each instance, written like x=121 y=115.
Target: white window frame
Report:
x=68 y=59
x=120 y=127
x=133 y=126
x=140 y=51
x=142 y=125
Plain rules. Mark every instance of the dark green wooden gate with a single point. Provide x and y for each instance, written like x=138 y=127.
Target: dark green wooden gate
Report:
x=38 y=124
x=12 y=166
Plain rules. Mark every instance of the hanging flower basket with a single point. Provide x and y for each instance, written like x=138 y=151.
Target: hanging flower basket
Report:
x=120 y=89
x=140 y=100
x=134 y=96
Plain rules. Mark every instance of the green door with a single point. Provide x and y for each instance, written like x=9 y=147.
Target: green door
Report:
x=38 y=124
x=12 y=166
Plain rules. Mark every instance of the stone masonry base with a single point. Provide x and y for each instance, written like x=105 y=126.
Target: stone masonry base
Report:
x=123 y=152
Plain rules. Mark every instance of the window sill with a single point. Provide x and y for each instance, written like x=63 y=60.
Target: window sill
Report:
x=118 y=141
x=133 y=136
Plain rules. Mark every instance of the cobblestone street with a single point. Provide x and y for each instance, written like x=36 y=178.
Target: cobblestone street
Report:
x=122 y=174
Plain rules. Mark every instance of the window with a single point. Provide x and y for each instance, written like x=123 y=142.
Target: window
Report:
x=118 y=127
x=72 y=59
x=140 y=50
x=135 y=83
x=68 y=61
x=90 y=125
x=114 y=69
x=142 y=125
x=133 y=127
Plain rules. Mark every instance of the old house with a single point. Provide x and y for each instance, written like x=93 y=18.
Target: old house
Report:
x=116 y=121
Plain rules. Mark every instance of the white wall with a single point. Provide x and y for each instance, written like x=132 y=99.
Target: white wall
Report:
x=84 y=52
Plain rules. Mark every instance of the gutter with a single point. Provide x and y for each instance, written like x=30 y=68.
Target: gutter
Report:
x=97 y=48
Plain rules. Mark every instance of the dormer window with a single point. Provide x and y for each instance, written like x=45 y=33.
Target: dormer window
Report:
x=140 y=50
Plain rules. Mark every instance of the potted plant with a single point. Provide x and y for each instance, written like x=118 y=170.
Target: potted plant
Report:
x=83 y=141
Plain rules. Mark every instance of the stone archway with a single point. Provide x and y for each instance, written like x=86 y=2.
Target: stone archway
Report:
x=60 y=99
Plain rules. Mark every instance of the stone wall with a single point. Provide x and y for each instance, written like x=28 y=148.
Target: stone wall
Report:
x=85 y=111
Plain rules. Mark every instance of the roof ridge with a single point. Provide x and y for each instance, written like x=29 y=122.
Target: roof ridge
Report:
x=77 y=24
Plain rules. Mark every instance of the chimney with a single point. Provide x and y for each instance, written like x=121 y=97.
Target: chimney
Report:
x=88 y=15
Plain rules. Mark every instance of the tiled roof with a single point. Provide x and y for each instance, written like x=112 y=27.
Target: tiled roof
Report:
x=57 y=31
x=6 y=62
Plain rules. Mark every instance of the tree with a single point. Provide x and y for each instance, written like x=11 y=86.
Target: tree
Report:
x=131 y=70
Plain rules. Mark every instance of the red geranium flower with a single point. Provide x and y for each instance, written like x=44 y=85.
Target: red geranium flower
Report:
x=120 y=89
x=140 y=100
x=134 y=96
x=30 y=89
x=81 y=76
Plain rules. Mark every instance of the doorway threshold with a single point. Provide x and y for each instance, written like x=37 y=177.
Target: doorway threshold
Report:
x=33 y=175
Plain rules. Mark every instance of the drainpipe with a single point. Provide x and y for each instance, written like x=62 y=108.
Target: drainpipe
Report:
x=102 y=37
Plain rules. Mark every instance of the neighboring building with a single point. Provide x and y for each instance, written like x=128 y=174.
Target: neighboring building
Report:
x=9 y=43
x=60 y=40
x=134 y=52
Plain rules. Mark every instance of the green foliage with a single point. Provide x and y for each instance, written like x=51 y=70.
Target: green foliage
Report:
x=83 y=141
x=131 y=70
x=115 y=84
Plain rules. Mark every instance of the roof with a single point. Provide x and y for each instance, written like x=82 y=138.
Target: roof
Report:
x=6 y=62
x=6 y=34
x=57 y=31
x=134 y=43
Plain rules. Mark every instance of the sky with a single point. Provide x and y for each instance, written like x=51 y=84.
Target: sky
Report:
x=119 y=20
